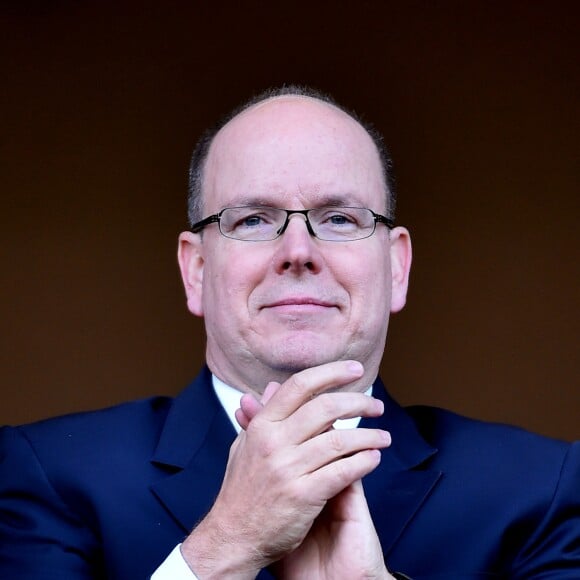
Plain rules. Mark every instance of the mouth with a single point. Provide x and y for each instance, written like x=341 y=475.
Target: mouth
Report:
x=305 y=304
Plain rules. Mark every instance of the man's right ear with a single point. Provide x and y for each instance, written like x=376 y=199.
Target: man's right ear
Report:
x=191 y=262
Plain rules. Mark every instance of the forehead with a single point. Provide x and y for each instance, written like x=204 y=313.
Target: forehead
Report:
x=293 y=150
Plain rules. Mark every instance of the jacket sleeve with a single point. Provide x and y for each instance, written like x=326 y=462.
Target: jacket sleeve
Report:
x=40 y=538
x=553 y=550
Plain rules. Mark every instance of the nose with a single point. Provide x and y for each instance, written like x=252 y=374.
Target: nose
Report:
x=297 y=249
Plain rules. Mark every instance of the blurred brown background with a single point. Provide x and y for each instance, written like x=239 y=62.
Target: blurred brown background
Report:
x=101 y=103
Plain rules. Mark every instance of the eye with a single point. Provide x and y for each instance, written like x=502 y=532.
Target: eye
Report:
x=252 y=218
x=250 y=221
x=337 y=219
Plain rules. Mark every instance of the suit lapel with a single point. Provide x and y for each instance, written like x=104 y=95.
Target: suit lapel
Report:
x=193 y=449
x=395 y=499
x=401 y=483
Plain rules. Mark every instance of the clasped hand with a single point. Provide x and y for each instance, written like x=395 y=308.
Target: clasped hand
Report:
x=292 y=492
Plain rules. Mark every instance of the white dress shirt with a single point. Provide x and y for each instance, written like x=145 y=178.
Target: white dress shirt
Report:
x=174 y=567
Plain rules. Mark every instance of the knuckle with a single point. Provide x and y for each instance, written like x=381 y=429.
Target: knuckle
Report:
x=341 y=472
x=262 y=438
x=300 y=384
x=294 y=493
x=266 y=447
x=328 y=406
x=281 y=475
x=336 y=441
x=277 y=472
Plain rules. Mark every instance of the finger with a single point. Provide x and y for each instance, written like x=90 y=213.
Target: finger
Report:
x=269 y=391
x=249 y=407
x=357 y=489
x=319 y=414
x=336 y=444
x=303 y=386
x=357 y=506
x=331 y=479
x=242 y=419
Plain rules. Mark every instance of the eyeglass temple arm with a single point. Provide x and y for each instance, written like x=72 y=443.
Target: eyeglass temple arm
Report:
x=385 y=220
x=196 y=228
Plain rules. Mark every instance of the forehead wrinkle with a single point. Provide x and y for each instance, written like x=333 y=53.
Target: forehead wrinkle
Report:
x=255 y=200
x=323 y=200
x=346 y=200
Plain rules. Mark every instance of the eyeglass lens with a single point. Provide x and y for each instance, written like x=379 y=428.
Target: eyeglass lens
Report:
x=327 y=223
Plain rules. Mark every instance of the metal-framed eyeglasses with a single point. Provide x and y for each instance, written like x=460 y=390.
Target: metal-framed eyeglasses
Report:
x=261 y=224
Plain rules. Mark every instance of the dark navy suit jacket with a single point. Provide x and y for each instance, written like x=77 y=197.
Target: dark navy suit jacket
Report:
x=109 y=494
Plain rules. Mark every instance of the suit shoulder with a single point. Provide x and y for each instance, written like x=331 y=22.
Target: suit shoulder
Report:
x=120 y=429
x=455 y=434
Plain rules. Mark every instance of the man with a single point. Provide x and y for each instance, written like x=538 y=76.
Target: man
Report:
x=295 y=264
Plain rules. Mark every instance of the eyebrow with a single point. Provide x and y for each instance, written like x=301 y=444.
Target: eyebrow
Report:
x=346 y=200
x=252 y=200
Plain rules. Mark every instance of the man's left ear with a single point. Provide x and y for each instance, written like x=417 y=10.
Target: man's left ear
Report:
x=401 y=255
x=191 y=262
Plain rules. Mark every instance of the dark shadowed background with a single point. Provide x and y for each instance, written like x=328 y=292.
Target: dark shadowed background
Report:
x=101 y=103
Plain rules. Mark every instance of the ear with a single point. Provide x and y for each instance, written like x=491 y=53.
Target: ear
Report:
x=191 y=262
x=401 y=256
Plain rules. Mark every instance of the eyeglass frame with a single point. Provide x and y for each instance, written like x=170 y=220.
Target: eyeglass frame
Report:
x=216 y=218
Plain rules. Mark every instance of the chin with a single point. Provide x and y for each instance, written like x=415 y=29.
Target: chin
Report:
x=291 y=356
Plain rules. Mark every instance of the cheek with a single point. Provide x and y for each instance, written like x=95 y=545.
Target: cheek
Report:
x=228 y=284
x=369 y=287
x=370 y=298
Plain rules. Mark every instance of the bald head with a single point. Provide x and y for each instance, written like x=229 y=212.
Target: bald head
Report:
x=269 y=100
